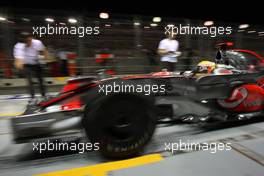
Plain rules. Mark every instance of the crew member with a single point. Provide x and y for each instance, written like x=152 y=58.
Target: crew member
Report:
x=27 y=55
x=167 y=50
x=64 y=62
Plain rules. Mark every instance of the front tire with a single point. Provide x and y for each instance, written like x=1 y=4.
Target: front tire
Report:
x=121 y=124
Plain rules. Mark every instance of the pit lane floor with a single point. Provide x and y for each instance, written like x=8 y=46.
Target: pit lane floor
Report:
x=245 y=158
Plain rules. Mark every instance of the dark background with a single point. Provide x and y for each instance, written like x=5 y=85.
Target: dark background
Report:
x=233 y=11
x=134 y=48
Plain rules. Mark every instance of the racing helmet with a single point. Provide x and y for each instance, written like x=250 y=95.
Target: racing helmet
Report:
x=206 y=67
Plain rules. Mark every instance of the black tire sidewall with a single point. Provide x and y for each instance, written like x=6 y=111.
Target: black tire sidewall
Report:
x=100 y=114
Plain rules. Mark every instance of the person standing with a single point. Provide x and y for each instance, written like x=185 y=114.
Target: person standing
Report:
x=167 y=50
x=27 y=55
x=63 y=62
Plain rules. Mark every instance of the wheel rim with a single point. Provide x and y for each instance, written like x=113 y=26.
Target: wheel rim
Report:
x=124 y=122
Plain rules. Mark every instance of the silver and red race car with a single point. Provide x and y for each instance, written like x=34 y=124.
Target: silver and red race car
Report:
x=121 y=113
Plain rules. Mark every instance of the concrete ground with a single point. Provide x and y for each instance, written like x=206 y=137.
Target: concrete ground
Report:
x=242 y=154
x=23 y=90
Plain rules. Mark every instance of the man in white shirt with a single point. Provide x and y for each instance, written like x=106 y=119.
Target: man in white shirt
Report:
x=19 y=54
x=167 y=50
x=27 y=56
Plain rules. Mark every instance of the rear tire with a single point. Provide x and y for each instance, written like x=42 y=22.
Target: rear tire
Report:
x=121 y=124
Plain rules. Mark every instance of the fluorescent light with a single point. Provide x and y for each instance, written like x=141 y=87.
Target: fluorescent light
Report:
x=243 y=26
x=208 y=23
x=136 y=24
x=24 y=33
x=12 y=22
x=2 y=18
x=25 y=19
x=72 y=20
x=241 y=30
x=156 y=19
x=170 y=25
x=153 y=24
x=262 y=32
x=261 y=35
x=49 y=20
x=104 y=15
x=146 y=27
x=62 y=23
x=251 y=32
x=107 y=25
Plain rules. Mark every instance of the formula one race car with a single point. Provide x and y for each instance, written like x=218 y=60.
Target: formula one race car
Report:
x=121 y=113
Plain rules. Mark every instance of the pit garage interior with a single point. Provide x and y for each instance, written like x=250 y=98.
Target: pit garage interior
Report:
x=131 y=41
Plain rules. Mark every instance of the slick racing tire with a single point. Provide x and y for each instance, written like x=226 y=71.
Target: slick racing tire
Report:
x=121 y=124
